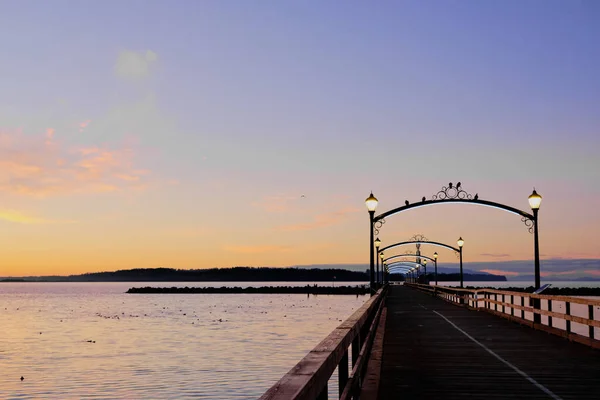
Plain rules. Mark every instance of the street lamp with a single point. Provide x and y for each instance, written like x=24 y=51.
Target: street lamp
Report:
x=384 y=273
x=460 y=242
x=435 y=256
x=377 y=244
x=380 y=256
x=425 y=267
x=371 y=203
x=534 y=202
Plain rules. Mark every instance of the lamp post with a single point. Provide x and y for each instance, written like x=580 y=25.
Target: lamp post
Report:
x=371 y=203
x=534 y=202
x=425 y=268
x=380 y=256
x=377 y=243
x=460 y=243
x=384 y=271
x=435 y=256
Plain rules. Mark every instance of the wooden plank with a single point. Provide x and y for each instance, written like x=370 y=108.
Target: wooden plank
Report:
x=425 y=357
x=370 y=386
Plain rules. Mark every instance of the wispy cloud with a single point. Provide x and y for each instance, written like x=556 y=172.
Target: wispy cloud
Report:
x=322 y=220
x=256 y=249
x=500 y=272
x=276 y=203
x=39 y=165
x=595 y=272
x=495 y=255
x=22 y=218
x=83 y=125
x=135 y=65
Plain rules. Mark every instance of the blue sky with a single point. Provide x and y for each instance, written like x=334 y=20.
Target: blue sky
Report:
x=208 y=119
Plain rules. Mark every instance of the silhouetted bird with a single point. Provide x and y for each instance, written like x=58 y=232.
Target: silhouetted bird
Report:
x=406 y=202
x=22 y=378
x=450 y=185
x=458 y=185
x=423 y=199
x=476 y=196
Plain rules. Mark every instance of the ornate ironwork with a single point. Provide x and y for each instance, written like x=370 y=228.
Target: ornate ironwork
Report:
x=528 y=223
x=453 y=192
x=419 y=238
x=377 y=226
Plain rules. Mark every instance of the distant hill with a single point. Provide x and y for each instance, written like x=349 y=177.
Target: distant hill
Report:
x=455 y=277
x=237 y=274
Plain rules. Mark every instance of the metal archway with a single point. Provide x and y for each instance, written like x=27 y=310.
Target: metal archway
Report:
x=455 y=194
x=420 y=242
x=409 y=255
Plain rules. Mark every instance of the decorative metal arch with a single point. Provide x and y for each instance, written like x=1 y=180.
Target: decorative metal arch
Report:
x=453 y=194
x=414 y=264
x=409 y=255
x=420 y=242
x=400 y=268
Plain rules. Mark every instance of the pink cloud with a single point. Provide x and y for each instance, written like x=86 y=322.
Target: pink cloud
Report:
x=592 y=272
x=500 y=272
x=322 y=220
x=83 y=125
x=565 y=273
x=38 y=166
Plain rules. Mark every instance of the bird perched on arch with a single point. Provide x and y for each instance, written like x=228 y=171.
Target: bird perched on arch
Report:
x=423 y=199
x=458 y=185
x=406 y=202
x=476 y=196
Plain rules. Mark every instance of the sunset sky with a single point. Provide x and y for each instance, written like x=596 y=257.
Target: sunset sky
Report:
x=198 y=134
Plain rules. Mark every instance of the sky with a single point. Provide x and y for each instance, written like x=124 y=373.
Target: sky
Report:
x=200 y=134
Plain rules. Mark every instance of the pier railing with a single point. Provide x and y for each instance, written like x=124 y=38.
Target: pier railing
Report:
x=308 y=380
x=575 y=318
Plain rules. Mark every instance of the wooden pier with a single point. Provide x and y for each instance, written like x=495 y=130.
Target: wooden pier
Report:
x=424 y=342
x=433 y=349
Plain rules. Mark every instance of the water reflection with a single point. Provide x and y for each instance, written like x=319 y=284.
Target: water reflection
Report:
x=68 y=340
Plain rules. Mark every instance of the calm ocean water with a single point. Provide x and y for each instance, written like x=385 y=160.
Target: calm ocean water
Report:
x=91 y=340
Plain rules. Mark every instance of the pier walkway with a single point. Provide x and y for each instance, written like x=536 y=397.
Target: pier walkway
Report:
x=433 y=349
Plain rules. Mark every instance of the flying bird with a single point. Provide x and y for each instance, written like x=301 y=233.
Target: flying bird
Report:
x=302 y=196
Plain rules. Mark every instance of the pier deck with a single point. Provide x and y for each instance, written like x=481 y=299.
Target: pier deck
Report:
x=436 y=350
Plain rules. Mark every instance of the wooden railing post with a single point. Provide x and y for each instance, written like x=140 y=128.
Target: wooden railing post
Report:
x=355 y=349
x=568 y=312
x=512 y=303
x=324 y=394
x=503 y=309
x=591 y=316
x=495 y=300
x=343 y=372
x=549 y=309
